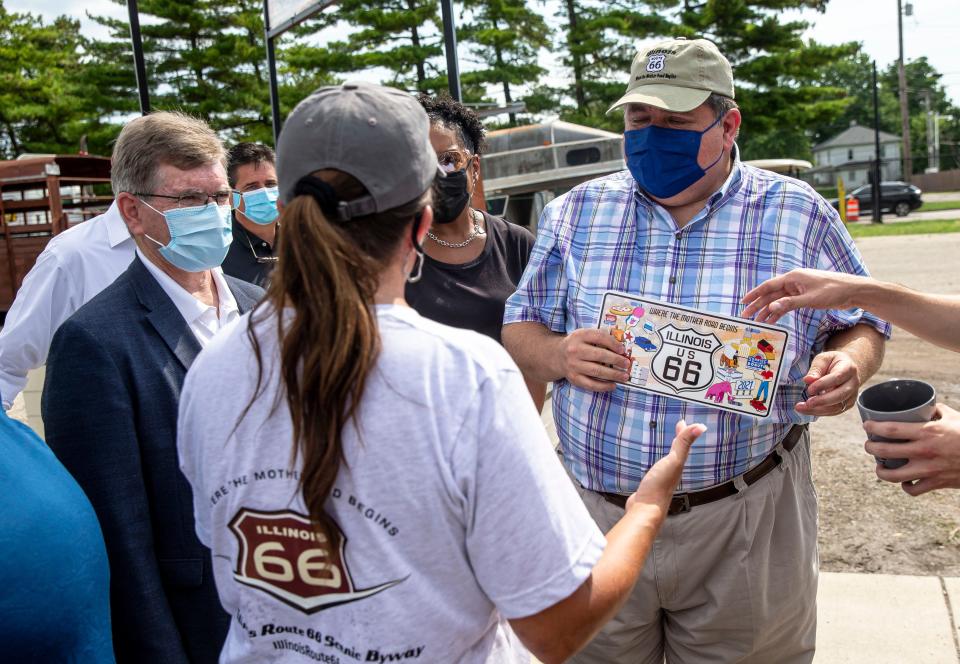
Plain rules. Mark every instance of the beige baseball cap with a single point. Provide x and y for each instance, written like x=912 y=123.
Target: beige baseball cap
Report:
x=678 y=75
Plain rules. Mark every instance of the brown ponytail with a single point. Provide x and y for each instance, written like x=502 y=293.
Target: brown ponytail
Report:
x=328 y=274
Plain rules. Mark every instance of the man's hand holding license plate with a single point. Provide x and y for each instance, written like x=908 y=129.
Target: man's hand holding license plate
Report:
x=719 y=361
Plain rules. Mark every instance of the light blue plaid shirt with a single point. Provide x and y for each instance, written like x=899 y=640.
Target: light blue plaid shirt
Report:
x=606 y=235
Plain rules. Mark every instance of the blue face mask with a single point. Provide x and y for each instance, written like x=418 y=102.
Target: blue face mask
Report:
x=663 y=161
x=259 y=205
x=199 y=236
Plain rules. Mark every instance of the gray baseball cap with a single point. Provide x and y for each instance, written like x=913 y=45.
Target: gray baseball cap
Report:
x=379 y=135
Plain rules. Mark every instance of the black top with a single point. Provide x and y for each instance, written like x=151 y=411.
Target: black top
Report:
x=472 y=295
x=246 y=257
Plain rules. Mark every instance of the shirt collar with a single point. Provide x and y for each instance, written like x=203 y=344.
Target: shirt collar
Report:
x=190 y=307
x=117 y=232
x=731 y=184
x=252 y=239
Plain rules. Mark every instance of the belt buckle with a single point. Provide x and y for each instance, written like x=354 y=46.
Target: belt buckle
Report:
x=683 y=507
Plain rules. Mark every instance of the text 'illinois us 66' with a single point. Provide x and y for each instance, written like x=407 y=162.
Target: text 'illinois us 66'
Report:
x=718 y=361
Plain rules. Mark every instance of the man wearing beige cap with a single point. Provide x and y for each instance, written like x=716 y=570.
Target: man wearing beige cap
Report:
x=733 y=573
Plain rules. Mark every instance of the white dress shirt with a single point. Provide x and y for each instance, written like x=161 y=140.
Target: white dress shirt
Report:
x=75 y=265
x=203 y=320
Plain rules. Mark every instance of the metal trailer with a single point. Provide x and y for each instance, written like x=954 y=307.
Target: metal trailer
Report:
x=41 y=196
x=526 y=167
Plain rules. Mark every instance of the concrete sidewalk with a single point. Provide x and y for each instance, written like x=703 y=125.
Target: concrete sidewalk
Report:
x=880 y=619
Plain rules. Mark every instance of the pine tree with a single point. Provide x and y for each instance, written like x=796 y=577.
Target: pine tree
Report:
x=205 y=58
x=600 y=41
x=401 y=36
x=777 y=74
x=41 y=108
x=506 y=37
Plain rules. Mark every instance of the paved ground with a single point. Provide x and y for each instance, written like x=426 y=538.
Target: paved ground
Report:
x=872 y=526
x=938 y=196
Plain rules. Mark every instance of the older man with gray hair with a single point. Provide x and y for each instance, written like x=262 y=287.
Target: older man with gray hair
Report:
x=113 y=382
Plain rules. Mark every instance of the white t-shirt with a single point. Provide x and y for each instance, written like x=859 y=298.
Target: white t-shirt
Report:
x=455 y=511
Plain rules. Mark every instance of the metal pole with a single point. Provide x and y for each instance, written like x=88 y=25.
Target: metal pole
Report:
x=904 y=111
x=450 y=47
x=139 y=66
x=931 y=149
x=875 y=190
x=272 y=74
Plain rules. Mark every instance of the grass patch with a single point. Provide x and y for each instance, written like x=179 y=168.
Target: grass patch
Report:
x=859 y=229
x=827 y=192
x=939 y=205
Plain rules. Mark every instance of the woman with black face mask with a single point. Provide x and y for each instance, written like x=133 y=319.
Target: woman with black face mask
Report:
x=473 y=260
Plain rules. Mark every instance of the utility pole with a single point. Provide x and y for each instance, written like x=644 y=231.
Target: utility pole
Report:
x=904 y=111
x=875 y=189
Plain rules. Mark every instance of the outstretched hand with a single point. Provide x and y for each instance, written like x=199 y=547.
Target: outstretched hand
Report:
x=661 y=480
x=798 y=289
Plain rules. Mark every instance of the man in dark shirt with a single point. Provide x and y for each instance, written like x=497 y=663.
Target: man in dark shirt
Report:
x=253 y=179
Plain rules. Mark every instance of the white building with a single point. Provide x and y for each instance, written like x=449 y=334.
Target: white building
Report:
x=849 y=156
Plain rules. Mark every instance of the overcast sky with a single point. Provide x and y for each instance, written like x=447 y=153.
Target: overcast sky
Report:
x=930 y=32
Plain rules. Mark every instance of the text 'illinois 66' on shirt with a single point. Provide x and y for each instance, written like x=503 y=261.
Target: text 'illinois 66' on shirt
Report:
x=455 y=512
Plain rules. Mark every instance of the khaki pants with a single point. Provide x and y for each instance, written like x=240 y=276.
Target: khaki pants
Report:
x=730 y=581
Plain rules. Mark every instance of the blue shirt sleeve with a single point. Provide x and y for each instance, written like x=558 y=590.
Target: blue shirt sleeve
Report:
x=839 y=253
x=541 y=295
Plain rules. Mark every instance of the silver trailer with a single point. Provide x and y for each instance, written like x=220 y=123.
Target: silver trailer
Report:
x=526 y=167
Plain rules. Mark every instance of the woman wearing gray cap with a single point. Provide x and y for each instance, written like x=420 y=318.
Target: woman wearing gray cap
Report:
x=375 y=486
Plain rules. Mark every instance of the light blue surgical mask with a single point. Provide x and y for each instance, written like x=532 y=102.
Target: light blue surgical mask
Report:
x=259 y=205
x=200 y=236
x=663 y=160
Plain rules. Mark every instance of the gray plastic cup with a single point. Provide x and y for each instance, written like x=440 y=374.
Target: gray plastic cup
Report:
x=897 y=401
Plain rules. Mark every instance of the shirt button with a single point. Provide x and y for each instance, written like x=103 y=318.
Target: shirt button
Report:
x=673 y=280
x=653 y=425
x=263 y=244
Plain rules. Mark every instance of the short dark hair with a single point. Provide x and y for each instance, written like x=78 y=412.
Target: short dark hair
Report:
x=247 y=153
x=720 y=104
x=445 y=110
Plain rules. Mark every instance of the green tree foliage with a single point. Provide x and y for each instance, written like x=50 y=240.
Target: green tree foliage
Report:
x=923 y=82
x=598 y=43
x=205 y=58
x=505 y=37
x=41 y=105
x=777 y=74
x=854 y=76
x=402 y=37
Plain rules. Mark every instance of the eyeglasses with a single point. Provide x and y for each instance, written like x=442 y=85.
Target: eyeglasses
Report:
x=453 y=160
x=193 y=198
x=260 y=259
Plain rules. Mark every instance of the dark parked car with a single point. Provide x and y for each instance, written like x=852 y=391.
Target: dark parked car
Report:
x=897 y=197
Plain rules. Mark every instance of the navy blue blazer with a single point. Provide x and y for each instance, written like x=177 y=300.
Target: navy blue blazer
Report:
x=113 y=381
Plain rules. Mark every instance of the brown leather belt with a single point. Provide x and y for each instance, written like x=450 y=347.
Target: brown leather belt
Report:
x=683 y=502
